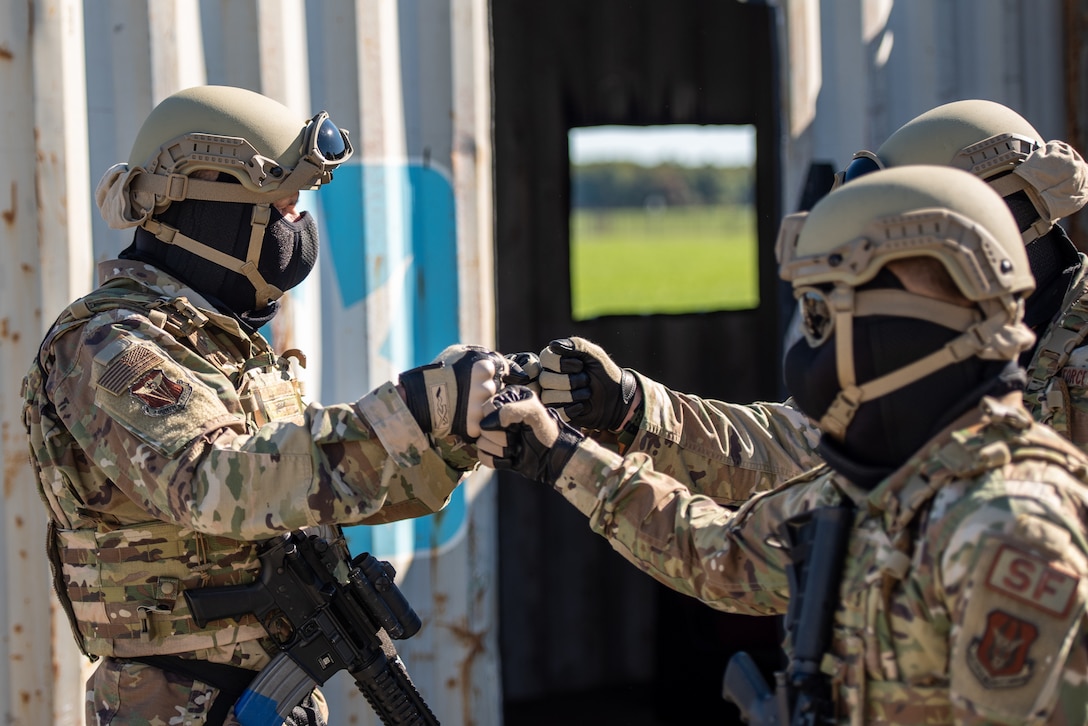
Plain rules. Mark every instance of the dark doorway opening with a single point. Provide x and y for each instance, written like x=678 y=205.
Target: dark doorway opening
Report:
x=585 y=637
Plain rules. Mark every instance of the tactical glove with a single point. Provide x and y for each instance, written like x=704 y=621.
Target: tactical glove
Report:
x=529 y=364
x=588 y=388
x=521 y=435
x=447 y=395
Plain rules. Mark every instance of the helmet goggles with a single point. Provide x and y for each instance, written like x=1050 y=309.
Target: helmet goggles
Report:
x=862 y=163
x=325 y=142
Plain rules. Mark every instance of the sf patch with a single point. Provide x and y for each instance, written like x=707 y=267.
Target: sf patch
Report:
x=1032 y=581
x=1021 y=609
x=159 y=394
x=999 y=657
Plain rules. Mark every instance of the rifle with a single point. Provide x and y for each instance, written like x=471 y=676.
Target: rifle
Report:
x=817 y=542
x=326 y=614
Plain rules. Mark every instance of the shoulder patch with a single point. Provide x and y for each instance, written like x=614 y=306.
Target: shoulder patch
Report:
x=1076 y=377
x=122 y=371
x=999 y=657
x=1033 y=581
x=160 y=394
x=1018 y=617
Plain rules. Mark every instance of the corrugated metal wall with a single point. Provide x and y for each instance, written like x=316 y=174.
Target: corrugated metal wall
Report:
x=405 y=267
x=859 y=69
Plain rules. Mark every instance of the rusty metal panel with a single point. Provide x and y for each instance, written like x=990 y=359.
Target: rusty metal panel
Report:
x=24 y=656
x=45 y=238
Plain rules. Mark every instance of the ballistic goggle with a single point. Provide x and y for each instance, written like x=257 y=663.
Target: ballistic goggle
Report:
x=862 y=163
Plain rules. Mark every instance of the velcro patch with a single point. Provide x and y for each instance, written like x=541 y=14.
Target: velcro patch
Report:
x=1032 y=581
x=999 y=657
x=159 y=394
x=1076 y=377
x=278 y=401
x=441 y=414
x=122 y=371
x=1018 y=616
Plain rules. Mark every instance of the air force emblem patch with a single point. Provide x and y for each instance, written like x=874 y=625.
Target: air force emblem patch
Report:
x=160 y=395
x=999 y=657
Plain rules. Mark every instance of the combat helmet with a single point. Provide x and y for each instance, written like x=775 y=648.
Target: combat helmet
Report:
x=996 y=144
x=193 y=138
x=921 y=211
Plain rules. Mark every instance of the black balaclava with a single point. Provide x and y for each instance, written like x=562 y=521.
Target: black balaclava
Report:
x=1054 y=264
x=288 y=253
x=886 y=431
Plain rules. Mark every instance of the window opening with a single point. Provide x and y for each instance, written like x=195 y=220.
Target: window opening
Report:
x=663 y=220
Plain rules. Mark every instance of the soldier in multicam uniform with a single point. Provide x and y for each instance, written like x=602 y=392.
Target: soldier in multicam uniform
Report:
x=170 y=438
x=964 y=574
x=729 y=451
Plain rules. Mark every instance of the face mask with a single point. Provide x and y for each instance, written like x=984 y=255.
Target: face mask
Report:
x=288 y=253
x=887 y=430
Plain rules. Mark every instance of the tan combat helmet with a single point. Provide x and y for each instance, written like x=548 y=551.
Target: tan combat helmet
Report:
x=196 y=134
x=994 y=143
x=881 y=219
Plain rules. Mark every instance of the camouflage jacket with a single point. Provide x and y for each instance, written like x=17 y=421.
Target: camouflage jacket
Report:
x=1057 y=391
x=168 y=442
x=723 y=450
x=963 y=596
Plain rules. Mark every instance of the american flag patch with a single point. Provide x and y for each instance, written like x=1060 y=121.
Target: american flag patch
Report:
x=123 y=370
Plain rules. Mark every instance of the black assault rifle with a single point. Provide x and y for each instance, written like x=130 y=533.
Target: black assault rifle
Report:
x=817 y=542
x=326 y=614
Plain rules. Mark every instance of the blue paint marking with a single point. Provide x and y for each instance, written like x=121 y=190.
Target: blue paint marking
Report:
x=366 y=250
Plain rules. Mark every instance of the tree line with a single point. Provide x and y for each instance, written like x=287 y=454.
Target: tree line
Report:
x=607 y=185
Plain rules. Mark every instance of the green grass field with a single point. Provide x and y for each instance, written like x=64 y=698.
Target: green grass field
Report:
x=674 y=260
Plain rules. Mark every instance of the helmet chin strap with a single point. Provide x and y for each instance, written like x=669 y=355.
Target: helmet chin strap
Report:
x=262 y=213
x=980 y=337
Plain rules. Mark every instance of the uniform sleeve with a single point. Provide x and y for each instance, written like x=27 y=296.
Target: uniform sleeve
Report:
x=1014 y=576
x=731 y=560
x=167 y=428
x=725 y=451
x=1063 y=404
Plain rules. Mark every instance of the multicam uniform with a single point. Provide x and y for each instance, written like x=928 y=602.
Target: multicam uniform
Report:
x=726 y=451
x=168 y=443
x=963 y=598
x=1057 y=391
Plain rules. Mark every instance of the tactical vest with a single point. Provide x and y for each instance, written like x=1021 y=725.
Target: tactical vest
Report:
x=880 y=556
x=121 y=585
x=1047 y=394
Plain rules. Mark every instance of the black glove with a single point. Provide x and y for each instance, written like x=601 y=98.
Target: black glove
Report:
x=521 y=435
x=580 y=379
x=527 y=364
x=446 y=395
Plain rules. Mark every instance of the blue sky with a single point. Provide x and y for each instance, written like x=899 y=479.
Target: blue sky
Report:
x=648 y=145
